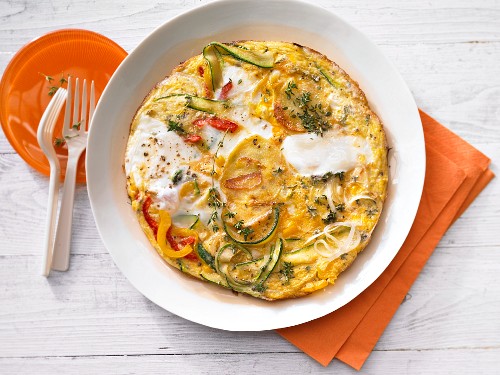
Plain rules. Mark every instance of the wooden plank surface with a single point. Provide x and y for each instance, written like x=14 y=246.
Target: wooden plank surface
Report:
x=91 y=320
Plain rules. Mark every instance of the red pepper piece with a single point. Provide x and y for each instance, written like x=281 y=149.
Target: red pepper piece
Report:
x=173 y=243
x=145 y=211
x=192 y=138
x=217 y=123
x=187 y=240
x=225 y=90
x=191 y=256
x=201 y=71
x=154 y=226
x=184 y=241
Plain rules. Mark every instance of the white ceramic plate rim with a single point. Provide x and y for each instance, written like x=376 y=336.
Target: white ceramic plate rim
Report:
x=184 y=36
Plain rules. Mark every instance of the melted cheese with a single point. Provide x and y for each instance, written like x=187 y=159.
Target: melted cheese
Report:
x=314 y=155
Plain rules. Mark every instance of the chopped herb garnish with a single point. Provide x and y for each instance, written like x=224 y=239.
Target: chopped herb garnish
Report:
x=312 y=211
x=239 y=81
x=340 y=175
x=321 y=199
x=340 y=207
x=371 y=212
x=48 y=78
x=347 y=111
x=175 y=126
x=52 y=90
x=304 y=99
x=312 y=116
x=278 y=170
x=289 y=89
x=177 y=177
x=259 y=288
x=77 y=125
x=58 y=142
x=324 y=178
x=230 y=214
x=330 y=218
x=287 y=271
x=312 y=121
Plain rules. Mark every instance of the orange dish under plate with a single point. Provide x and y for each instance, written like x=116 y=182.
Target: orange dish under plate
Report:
x=24 y=90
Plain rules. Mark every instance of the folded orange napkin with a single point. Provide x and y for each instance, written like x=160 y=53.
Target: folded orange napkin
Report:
x=456 y=173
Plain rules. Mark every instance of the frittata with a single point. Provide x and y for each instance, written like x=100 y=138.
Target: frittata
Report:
x=259 y=167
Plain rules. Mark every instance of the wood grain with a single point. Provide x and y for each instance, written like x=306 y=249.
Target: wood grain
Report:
x=96 y=300
x=436 y=362
x=91 y=320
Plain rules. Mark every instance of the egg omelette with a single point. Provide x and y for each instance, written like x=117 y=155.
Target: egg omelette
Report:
x=259 y=167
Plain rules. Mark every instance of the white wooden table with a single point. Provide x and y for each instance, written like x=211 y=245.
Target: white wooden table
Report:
x=91 y=320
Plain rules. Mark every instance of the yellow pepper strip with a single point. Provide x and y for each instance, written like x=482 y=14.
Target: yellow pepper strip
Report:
x=161 y=238
x=185 y=232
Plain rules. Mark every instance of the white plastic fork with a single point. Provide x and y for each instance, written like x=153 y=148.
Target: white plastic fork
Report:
x=75 y=134
x=45 y=134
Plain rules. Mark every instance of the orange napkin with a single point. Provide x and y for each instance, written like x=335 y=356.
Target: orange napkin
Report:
x=456 y=173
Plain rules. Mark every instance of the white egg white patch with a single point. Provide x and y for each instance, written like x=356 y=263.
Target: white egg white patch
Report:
x=314 y=155
x=154 y=157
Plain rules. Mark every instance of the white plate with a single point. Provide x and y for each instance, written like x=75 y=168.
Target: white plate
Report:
x=185 y=36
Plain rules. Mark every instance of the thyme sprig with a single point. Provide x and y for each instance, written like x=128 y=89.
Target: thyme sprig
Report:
x=241 y=229
x=59 y=142
x=52 y=88
x=214 y=200
x=175 y=126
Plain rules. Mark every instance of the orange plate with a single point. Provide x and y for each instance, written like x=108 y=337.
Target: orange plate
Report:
x=24 y=90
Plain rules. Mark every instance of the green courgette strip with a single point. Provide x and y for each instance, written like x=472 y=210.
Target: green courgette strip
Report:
x=253 y=261
x=224 y=272
x=267 y=237
x=214 y=60
x=186 y=221
x=327 y=76
x=266 y=270
x=205 y=256
x=219 y=254
x=304 y=255
x=200 y=104
x=274 y=257
x=212 y=54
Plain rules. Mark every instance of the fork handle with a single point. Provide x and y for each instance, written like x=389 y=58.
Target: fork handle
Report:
x=60 y=260
x=55 y=175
